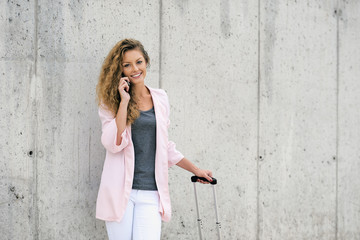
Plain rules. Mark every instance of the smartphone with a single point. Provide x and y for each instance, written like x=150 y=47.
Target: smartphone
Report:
x=128 y=83
x=122 y=75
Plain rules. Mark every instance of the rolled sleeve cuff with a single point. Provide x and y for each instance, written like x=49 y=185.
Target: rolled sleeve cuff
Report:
x=109 y=138
x=174 y=156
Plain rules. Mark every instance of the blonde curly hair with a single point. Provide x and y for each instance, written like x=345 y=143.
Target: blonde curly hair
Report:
x=111 y=72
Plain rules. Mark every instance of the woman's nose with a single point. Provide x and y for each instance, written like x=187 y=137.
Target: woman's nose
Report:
x=135 y=68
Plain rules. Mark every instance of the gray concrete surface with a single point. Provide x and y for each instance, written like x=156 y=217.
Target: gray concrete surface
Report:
x=298 y=121
x=264 y=93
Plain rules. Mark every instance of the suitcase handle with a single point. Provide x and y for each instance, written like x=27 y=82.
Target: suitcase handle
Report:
x=195 y=178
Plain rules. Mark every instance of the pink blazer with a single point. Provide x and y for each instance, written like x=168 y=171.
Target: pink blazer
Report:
x=118 y=170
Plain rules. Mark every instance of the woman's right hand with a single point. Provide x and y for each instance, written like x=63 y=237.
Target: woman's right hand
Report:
x=124 y=89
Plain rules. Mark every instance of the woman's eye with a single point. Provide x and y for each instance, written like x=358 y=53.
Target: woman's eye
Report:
x=139 y=62
x=126 y=65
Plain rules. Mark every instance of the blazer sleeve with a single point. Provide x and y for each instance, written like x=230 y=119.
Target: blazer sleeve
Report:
x=109 y=132
x=174 y=156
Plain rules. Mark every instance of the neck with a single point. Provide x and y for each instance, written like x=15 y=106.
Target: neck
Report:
x=140 y=90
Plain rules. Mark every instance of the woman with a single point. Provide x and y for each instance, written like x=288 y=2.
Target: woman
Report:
x=133 y=196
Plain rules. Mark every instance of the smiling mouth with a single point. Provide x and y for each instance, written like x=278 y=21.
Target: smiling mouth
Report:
x=136 y=76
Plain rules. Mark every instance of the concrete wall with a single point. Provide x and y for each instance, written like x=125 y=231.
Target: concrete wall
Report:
x=264 y=93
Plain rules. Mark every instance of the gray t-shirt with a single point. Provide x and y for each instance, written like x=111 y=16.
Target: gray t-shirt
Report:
x=143 y=133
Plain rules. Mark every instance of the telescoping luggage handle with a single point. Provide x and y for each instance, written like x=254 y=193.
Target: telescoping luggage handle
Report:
x=195 y=178
x=200 y=226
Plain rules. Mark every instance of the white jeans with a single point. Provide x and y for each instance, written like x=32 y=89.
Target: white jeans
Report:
x=141 y=220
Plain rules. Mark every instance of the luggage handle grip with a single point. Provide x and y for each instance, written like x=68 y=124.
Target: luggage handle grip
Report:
x=195 y=178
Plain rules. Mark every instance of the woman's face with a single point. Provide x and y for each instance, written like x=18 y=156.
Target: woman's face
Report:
x=134 y=66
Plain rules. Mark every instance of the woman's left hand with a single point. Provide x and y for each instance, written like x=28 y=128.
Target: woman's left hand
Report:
x=205 y=174
x=187 y=165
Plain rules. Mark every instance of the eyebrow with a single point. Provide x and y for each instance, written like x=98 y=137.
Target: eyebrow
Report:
x=136 y=60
